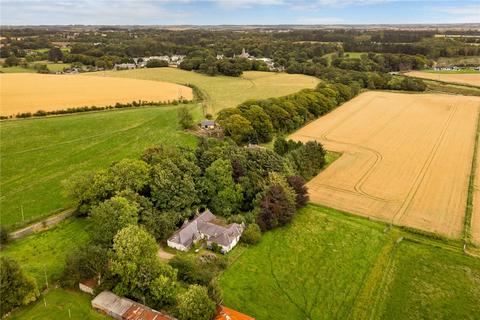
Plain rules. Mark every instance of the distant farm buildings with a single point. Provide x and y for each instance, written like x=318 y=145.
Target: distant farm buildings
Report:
x=142 y=62
x=207 y=124
x=203 y=227
x=268 y=61
x=125 y=309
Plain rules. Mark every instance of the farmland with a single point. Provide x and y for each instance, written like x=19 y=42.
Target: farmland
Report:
x=37 y=154
x=32 y=92
x=223 y=92
x=382 y=174
x=330 y=265
x=472 y=79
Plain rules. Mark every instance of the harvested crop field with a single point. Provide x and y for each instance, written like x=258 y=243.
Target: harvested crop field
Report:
x=407 y=158
x=30 y=92
x=472 y=79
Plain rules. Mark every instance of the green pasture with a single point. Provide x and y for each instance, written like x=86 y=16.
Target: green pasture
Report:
x=37 y=154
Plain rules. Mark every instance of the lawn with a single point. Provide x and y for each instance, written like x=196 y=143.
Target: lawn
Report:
x=221 y=91
x=354 y=55
x=44 y=253
x=431 y=283
x=16 y=70
x=312 y=269
x=59 y=302
x=37 y=154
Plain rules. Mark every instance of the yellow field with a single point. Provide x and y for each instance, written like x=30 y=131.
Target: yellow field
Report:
x=223 y=92
x=472 y=79
x=29 y=92
x=406 y=160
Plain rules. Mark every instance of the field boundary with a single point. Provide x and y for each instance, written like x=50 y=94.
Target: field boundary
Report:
x=42 y=225
x=467 y=223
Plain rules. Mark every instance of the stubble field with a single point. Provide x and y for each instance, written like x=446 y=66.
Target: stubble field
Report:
x=28 y=92
x=472 y=79
x=407 y=158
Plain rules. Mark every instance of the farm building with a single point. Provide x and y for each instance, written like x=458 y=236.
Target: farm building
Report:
x=203 y=227
x=207 y=124
x=224 y=313
x=125 y=309
x=87 y=285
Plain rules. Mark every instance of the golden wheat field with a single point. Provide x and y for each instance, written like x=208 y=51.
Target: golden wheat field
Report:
x=406 y=158
x=29 y=92
x=472 y=79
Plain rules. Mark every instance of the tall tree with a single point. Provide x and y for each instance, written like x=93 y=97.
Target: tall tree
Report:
x=110 y=216
x=185 y=118
x=55 y=54
x=16 y=287
x=223 y=195
x=195 y=304
x=136 y=264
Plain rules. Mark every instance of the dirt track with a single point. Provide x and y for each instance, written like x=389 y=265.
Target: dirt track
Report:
x=406 y=158
x=30 y=92
x=472 y=79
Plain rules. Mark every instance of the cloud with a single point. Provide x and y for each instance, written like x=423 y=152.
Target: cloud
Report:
x=18 y=12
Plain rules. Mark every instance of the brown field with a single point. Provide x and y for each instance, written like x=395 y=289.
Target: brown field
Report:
x=31 y=92
x=472 y=79
x=406 y=158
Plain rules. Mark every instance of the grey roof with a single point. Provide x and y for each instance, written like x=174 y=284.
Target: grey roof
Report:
x=203 y=224
x=111 y=304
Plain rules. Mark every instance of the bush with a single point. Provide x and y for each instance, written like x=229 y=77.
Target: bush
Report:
x=16 y=287
x=252 y=234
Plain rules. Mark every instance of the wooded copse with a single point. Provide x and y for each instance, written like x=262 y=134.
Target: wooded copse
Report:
x=147 y=199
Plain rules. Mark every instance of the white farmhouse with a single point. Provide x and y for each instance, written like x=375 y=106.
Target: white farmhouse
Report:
x=203 y=227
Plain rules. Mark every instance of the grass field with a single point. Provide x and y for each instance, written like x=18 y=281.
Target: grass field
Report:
x=37 y=154
x=44 y=253
x=221 y=91
x=59 y=302
x=354 y=55
x=328 y=265
x=382 y=174
x=15 y=70
x=33 y=92
x=457 y=61
x=431 y=283
x=312 y=269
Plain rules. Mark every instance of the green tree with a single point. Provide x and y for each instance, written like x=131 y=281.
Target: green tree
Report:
x=156 y=63
x=173 y=186
x=260 y=122
x=185 y=118
x=16 y=287
x=298 y=185
x=129 y=174
x=195 y=304
x=308 y=159
x=110 y=216
x=223 y=195
x=141 y=274
x=238 y=128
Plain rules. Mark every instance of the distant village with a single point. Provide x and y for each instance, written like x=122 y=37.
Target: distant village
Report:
x=175 y=60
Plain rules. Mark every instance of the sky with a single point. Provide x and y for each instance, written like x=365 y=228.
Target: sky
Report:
x=236 y=12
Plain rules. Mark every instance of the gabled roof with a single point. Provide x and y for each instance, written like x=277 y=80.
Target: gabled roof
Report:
x=224 y=313
x=203 y=224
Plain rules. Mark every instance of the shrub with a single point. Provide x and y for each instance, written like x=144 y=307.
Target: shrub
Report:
x=195 y=304
x=252 y=234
